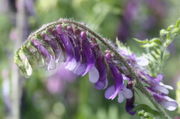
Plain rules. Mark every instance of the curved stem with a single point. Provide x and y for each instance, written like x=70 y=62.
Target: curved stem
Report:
x=139 y=84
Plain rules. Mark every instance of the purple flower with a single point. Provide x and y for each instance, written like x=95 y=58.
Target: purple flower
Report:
x=130 y=101
x=98 y=73
x=155 y=85
x=80 y=54
x=102 y=82
x=59 y=54
x=113 y=90
x=119 y=87
x=66 y=42
x=87 y=53
x=50 y=62
x=167 y=102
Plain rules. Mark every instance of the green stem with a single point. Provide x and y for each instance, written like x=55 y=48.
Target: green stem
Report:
x=133 y=74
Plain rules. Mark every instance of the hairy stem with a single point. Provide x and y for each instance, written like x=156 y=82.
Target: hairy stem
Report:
x=133 y=74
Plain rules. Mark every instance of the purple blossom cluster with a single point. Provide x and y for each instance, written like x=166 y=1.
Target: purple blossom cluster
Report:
x=81 y=54
x=160 y=91
x=154 y=85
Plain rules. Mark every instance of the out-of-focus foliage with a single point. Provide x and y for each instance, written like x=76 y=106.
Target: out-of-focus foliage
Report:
x=79 y=100
x=156 y=47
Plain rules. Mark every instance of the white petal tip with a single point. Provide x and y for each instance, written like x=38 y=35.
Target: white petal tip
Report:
x=93 y=75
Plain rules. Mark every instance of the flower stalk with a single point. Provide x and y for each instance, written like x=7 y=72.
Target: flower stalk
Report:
x=131 y=72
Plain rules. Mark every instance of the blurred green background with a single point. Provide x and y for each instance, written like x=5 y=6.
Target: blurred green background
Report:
x=47 y=95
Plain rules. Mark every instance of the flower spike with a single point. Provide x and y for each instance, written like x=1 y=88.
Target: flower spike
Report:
x=77 y=47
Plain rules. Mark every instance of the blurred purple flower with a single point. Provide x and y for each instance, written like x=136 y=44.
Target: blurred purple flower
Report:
x=56 y=83
x=30 y=9
x=130 y=11
x=132 y=14
x=177 y=117
x=158 y=7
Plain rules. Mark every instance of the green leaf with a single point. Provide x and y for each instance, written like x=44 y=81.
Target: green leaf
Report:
x=177 y=23
x=141 y=41
x=163 y=32
x=156 y=40
x=149 y=45
x=146 y=108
